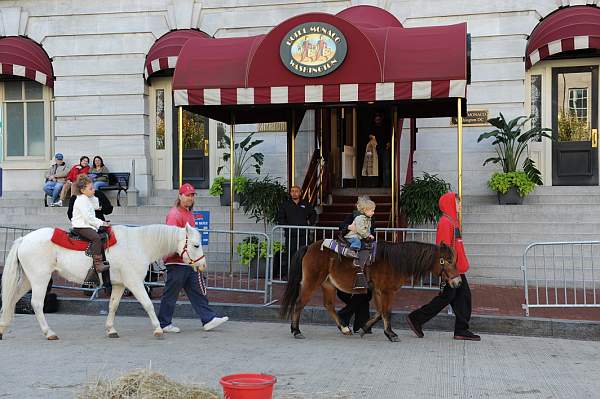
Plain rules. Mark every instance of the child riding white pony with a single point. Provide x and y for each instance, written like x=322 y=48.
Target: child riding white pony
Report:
x=33 y=258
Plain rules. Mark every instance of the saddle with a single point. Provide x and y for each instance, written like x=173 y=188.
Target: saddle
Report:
x=73 y=241
x=362 y=259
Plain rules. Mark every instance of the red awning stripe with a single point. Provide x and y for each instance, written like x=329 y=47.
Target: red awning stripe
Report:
x=388 y=91
x=164 y=52
x=20 y=56
x=566 y=44
x=566 y=29
x=21 y=70
x=160 y=64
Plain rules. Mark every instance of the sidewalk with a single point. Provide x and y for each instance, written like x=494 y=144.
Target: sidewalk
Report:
x=488 y=300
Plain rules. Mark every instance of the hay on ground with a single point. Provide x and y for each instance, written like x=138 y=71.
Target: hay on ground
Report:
x=145 y=384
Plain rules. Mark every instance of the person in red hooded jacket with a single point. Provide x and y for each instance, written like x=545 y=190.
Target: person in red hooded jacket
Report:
x=448 y=232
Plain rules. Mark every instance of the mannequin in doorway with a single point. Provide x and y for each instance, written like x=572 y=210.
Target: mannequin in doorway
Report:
x=371 y=162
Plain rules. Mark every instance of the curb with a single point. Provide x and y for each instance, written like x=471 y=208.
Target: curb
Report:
x=506 y=325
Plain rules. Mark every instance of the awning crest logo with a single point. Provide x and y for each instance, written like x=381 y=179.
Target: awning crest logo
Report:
x=313 y=49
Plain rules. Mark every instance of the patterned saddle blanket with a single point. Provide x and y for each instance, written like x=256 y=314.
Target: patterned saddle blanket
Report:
x=344 y=249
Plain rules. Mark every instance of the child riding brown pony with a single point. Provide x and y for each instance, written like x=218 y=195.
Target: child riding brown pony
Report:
x=394 y=265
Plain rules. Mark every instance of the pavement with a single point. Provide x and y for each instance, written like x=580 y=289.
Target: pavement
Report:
x=324 y=365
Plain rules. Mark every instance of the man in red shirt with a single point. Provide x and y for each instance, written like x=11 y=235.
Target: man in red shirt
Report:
x=181 y=275
x=448 y=231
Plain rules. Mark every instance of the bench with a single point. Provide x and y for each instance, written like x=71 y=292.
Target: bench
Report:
x=118 y=181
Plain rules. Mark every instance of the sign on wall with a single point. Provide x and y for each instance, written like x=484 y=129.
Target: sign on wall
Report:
x=202 y=219
x=313 y=49
x=474 y=117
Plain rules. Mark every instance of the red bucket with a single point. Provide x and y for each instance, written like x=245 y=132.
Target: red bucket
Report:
x=248 y=386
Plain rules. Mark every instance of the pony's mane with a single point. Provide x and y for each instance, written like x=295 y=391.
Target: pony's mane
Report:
x=410 y=258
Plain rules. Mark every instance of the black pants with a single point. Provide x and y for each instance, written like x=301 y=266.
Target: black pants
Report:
x=357 y=305
x=460 y=300
x=91 y=235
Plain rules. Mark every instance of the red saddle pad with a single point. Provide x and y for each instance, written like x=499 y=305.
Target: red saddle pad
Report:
x=61 y=238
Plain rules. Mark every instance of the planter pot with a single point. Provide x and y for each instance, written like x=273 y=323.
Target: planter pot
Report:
x=257 y=268
x=225 y=197
x=511 y=197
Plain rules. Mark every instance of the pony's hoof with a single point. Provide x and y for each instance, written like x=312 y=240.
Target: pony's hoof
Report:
x=362 y=332
x=159 y=334
x=113 y=335
x=393 y=338
x=346 y=331
x=53 y=338
x=299 y=336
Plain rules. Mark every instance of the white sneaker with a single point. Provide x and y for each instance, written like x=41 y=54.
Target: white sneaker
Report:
x=215 y=322
x=57 y=203
x=171 y=329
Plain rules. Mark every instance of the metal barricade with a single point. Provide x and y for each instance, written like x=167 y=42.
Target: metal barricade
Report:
x=561 y=275
x=7 y=236
x=287 y=240
x=238 y=261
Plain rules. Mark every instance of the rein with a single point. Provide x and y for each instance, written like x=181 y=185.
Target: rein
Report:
x=185 y=251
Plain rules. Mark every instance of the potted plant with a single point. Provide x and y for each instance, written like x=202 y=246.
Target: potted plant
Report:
x=244 y=161
x=220 y=188
x=253 y=253
x=510 y=141
x=419 y=199
x=511 y=187
x=260 y=201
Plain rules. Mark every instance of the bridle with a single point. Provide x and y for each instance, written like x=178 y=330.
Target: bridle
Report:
x=185 y=250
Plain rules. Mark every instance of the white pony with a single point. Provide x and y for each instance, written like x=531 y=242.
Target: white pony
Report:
x=33 y=258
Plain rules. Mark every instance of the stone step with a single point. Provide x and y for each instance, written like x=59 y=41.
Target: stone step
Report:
x=471 y=238
x=534 y=228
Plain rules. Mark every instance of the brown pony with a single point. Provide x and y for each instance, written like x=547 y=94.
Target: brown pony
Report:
x=394 y=265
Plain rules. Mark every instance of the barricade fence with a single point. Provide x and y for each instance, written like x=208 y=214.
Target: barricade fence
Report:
x=288 y=239
x=561 y=275
x=237 y=261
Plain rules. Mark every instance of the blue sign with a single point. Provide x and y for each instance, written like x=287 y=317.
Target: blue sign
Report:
x=202 y=219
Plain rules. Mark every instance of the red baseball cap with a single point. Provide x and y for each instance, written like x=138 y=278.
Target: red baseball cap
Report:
x=187 y=189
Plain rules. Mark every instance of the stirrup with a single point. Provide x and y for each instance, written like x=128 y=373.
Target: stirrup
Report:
x=360 y=281
x=92 y=278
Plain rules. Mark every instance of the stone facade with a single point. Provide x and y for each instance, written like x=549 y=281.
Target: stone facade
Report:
x=101 y=102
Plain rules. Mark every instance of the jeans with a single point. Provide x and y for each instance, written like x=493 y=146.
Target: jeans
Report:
x=460 y=300
x=178 y=277
x=355 y=243
x=52 y=188
x=98 y=184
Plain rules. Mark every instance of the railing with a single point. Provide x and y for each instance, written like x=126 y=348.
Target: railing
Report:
x=561 y=275
x=313 y=181
x=7 y=236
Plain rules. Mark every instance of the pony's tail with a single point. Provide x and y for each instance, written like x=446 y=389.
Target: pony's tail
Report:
x=292 y=289
x=12 y=279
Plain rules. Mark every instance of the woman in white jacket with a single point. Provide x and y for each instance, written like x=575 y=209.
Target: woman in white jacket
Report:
x=86 y=224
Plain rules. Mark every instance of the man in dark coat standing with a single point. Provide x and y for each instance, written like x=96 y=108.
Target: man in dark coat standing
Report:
x=294 y=212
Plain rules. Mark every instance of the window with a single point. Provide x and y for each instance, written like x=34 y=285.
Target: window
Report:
x=578 y=100
x=24 y=119
x=160 y=119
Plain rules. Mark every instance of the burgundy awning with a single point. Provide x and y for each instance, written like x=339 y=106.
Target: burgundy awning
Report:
x=571 y=28
x=163 y=53
x=382 y=64
x=369 y=17
x=20 y=56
